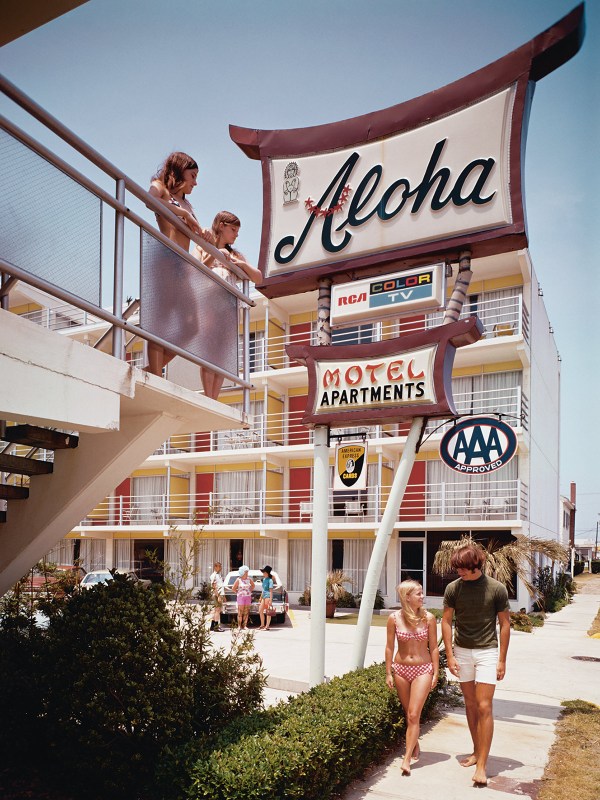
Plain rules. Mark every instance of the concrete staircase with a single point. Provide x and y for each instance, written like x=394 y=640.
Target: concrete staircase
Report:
x=121 y=416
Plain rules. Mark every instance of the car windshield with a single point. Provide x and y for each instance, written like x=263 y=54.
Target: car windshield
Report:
x=97 y=578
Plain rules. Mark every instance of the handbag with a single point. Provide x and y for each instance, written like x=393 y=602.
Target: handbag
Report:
x=270 y=612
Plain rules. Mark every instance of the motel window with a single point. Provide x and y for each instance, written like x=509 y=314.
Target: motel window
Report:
x=355 y=334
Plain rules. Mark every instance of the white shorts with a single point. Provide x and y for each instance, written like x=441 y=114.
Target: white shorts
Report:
x=477 y=664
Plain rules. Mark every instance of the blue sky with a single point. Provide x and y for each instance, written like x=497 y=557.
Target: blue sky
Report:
x=139 y=78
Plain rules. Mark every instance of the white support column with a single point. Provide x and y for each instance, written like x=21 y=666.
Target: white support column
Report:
x=380 y=547
x=320 y=520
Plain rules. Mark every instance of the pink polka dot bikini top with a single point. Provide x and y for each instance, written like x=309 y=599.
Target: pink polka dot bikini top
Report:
x=420 y=634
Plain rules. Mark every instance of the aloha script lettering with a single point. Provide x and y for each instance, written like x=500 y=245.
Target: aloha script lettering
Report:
x=437 y=187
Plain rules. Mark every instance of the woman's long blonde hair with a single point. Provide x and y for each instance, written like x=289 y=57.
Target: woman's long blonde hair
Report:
x=405 y=589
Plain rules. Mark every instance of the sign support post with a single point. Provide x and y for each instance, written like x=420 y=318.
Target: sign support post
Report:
x=320 y=511
x=390 y=515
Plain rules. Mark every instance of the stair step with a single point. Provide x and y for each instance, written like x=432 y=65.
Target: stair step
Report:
x=10 y=492
x=24 y=466
x=35 y=436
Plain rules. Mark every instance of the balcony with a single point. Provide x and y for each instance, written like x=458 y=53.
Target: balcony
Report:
x=460 y=503
x=508 y=316
x=286 y=430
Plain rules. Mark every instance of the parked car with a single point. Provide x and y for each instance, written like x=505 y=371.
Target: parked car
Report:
x=104 y=576
x=280 y=597
x=95 y=577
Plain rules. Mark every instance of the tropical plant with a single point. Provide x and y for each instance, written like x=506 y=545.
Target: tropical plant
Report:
x=504 y=560
x=334 y=588
x=334 y=584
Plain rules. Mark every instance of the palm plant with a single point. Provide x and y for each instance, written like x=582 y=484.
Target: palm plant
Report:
x=334 y=584
x=505 y=560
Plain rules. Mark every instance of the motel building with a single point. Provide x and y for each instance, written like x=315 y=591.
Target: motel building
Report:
x=167 y=471
x=245 y=495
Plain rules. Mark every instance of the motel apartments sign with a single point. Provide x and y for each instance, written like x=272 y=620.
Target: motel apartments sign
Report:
x=399 y=193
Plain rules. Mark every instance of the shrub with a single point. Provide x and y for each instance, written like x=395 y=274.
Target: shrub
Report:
x=346 y=600
x=115 y=687
x=379 y=601
x=117 y=690
x=308 y=748
x=595 y=566
x=553 y=591
x=578 y=567
x=520 y=621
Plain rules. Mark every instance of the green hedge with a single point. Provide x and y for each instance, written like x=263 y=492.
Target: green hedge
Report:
x=308 y=748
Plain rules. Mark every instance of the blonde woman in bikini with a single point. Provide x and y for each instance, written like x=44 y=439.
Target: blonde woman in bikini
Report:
x=414 y=670
x=174 y=180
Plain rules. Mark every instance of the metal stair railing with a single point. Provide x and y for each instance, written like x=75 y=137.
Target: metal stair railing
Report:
x=122 y=212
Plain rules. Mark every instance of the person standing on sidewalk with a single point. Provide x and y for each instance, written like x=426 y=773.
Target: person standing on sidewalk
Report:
x=266 y=598
x=476 y=602
x=216 y=585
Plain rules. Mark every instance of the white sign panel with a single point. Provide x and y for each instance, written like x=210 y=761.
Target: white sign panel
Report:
x=385 y=381
x=389 y=295
x=440 y=179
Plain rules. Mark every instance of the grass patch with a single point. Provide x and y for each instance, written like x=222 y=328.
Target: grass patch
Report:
x=574 y=767
x=377 y=620
x=595 y=625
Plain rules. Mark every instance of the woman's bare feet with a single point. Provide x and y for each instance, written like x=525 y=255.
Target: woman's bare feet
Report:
x=416 y=753
x=469 y=761
x=405 y=769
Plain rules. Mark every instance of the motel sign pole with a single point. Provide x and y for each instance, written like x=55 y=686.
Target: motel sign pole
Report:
x=407 y=460
x=320 y=511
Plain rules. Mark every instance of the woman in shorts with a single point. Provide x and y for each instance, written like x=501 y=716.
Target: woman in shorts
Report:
x=266 y=598
x=414 y=670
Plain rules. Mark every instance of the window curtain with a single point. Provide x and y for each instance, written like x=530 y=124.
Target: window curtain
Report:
x=231 y=439
x=239 y=488
x=461 y=493
x=93 y=554
x=62 y=553
x=123 y=554
x=483 y=394
x=260 y=551
x=206 y=552
x=357 y=555
x=175 y=557
x=299 y=564
x=149 y=499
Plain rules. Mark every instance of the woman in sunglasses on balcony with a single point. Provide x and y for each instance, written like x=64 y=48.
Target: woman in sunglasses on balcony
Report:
x=224 y=232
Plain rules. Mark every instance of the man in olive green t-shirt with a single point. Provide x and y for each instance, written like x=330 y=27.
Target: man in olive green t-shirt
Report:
x=476 y=601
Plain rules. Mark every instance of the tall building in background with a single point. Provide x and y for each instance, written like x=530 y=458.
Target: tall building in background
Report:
x=245 y=496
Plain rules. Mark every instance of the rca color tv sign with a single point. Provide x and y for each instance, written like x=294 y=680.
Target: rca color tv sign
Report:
x=389 y=295
x=406 y=185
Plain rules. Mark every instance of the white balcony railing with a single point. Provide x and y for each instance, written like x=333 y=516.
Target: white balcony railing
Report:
x=505 y=317
x=467 y=502
x=285 y=430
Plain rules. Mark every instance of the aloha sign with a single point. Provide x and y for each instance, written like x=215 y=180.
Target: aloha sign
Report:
x=408 y=185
